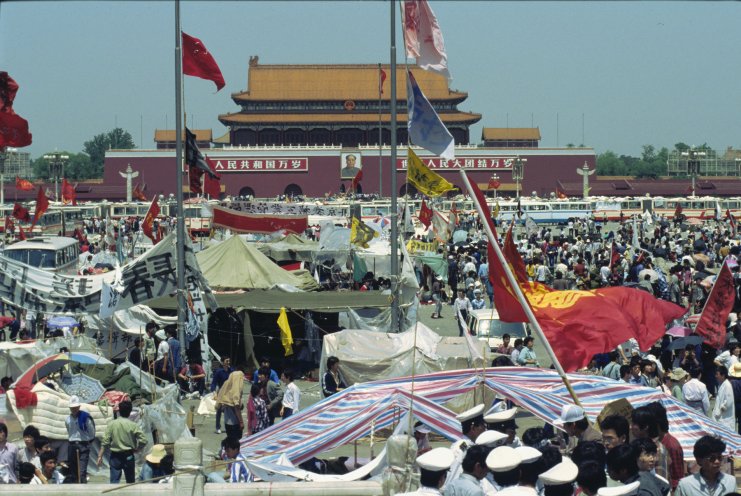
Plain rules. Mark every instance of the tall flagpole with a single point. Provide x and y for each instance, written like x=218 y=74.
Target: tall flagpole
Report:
x=518 y=291
x=180 y=243
x=394 y=210
x=380 y=135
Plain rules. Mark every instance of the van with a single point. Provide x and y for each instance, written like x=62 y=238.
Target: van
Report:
x=486 y=326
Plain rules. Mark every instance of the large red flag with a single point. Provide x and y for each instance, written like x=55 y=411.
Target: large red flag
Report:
x=148 y=222
x=712 y=323
x=42 y=205
x=21 y=213
x=212 y=184
x=198 y=62
x=23 y=184
x=195 y=176
x=68 y=193
x=13 y=127
x=425 y=215
x=579 y=324
x=423 y=37
x=258 y=223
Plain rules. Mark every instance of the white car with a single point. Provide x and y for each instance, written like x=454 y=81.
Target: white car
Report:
x=486 y=326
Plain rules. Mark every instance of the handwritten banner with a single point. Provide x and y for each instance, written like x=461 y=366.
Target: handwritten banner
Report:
x=282 y=208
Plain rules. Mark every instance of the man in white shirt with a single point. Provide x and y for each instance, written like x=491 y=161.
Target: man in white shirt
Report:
x=724 y=411
x=291 y=397
x=696 y=393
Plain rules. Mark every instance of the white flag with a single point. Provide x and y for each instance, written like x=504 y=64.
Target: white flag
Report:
x=424 y=39
x=425 y=127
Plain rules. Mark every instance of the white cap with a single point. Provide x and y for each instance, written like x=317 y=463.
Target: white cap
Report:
x=160 y=334
x=503 y=459
x=490 y=438
x=436 y=460
x=422 y=429
x=562 y=473
x=570 y=413
x=74 y=401
x=619 y=490
x=472 y=413
x=501 y=415
x=528 y=454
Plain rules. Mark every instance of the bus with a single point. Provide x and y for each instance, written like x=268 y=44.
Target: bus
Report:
x=51 y=253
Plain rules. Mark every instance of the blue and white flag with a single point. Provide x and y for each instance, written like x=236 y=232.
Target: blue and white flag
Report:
x=425 y=127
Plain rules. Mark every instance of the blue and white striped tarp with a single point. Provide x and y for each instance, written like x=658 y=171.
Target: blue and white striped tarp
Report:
x=347 y=416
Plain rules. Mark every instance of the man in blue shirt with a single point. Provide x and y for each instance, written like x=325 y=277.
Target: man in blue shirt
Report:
x=174 y=355
x=265 y=362
x=220 y=377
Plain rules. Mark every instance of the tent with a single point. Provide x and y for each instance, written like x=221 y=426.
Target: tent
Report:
x=291 y=247
x=352 y=414
x=15 y=358
x=371 y=355
x=235 y=264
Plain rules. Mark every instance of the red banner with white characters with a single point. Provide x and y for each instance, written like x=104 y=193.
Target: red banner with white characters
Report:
x=472 y=163
x=258 y=223
x=268 y=164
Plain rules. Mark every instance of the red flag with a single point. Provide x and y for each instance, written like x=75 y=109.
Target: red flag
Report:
x=678 y=211
x=21 y=213
x=21 y=234
x=579 y=324
x=614 y=255
x=356 y=180
x=42 y=205
x=493 y=183
x=712 y=323
x=23 y=184
x=198 y=62
x=423 y=37
x=381 y=80
x=13 y=127
x=138 y=193
x=68 y=193
x=732 y=221
x=425 y=215
x=560 y=194
x=148 y=222
x=195 y=176
x=212 y=184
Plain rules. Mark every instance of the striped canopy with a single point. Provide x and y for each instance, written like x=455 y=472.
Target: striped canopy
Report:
x=347 y=416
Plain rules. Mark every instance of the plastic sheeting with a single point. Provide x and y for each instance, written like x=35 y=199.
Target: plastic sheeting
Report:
x=16 y=358
x=368 y=356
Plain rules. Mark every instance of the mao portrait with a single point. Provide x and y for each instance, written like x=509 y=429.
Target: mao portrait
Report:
x=351 y=165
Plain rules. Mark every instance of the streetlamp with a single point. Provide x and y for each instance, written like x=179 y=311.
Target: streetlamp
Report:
x=56 y=169
x=693 y=165
x=518 y=172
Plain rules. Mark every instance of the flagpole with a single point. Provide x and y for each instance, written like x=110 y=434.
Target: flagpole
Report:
x=180 y=242
x=518 y=291
x=394 y=213
x=380 y=135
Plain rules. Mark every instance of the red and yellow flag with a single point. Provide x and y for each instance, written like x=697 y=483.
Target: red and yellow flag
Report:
x=712 y=323
x=148 y=223
x=23 y=184
x=42 y=205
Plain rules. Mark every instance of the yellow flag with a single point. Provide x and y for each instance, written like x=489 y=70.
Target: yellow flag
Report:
x=426 y=181
x=360 y=233
x=286 y=337
x=495 y=213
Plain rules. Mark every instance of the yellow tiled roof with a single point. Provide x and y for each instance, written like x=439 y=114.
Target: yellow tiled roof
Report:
x=512 y=133
x=167 y=135
x=336 y=82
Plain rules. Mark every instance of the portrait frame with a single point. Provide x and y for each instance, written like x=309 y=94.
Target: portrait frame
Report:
x=347 y=172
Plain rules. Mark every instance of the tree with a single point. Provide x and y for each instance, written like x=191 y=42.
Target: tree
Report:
x=608 y=164
x=649 y=153
x=76 y=167
x=97 y=146
x=681 y=147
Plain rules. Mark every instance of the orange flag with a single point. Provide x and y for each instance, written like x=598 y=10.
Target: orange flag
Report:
x=712 y=323
x=148 y=222
x=23 y=184
x=68 y=193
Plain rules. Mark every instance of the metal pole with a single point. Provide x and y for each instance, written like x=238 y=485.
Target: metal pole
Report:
x=179 y=182
x=394 y=193
x=518 y=291
x=3 y=156
x=380 y=136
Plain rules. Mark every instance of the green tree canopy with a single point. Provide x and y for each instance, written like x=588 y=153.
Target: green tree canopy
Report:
x=77 y=167
x=118 y=139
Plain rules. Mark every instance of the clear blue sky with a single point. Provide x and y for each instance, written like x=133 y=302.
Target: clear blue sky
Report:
x=639 y=72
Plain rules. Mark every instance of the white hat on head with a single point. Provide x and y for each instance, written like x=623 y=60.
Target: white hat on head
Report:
x=528 y=454
x=436 y=460
x=569 y=413
x=503 y=459
x=490 y=438
x=422 y=429
x=160 y=334
x=619 y=490
x=472 y=413
x=74 y=401
x=562 y=473
x=500 y=414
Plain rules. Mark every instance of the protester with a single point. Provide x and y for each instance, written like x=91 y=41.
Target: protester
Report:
x=708 y=452
x=220 y=376
x=151 y=469
x=229 y=401
x=258 y=418
x=724 y=411
x=81 y=431
x=8 y=454
x=291 y=397
x=122 y=438
x=332 y=381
